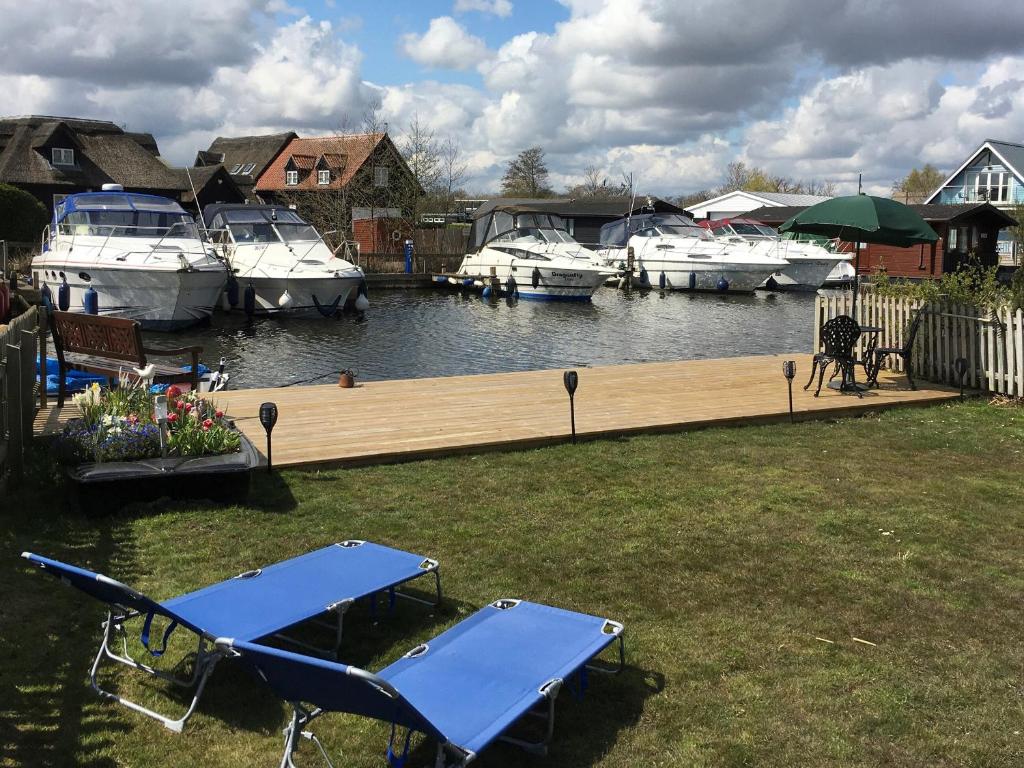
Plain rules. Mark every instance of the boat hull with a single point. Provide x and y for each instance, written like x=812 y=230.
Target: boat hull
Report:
x=159 y=299
x=537 y=280
x=805 y=274
x=720 y=277
x=331 y=293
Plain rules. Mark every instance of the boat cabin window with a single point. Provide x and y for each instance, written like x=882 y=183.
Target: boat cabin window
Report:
x=263 y=226
x=678 y=230
x=751 y=230
x=128 y=223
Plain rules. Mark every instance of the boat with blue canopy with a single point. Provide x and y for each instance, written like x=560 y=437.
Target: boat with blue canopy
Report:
x=131 y=255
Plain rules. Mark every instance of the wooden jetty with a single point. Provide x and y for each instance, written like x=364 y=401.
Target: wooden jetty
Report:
x=387 y=421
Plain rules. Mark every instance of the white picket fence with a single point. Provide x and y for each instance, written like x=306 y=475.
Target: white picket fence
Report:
x=991 y=343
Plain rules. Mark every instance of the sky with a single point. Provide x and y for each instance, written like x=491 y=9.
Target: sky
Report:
x=669 y=92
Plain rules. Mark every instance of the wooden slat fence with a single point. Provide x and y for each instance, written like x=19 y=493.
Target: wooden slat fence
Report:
x=991 y=343
x=19 y=343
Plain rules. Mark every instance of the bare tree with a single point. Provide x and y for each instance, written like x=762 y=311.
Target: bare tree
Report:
x=595 y=185
x=453 y=170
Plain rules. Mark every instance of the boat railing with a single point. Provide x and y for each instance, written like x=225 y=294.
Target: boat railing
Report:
x=129 y=230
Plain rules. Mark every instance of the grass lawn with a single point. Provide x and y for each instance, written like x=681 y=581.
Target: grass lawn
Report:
x=727 y=553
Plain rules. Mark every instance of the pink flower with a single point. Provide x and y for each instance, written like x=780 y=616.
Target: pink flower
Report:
x=171 y=418
x=173 y=392
x=207 y=424
x=179 y=404
x=188 y=407
x=219 y=414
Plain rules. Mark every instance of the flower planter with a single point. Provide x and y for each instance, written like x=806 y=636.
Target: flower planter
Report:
x=108 y=486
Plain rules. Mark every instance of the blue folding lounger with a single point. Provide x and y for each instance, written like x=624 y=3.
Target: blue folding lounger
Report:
x=464 y=688
x=253 y=605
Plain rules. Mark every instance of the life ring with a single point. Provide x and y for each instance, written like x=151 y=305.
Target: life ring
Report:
x=396 y=236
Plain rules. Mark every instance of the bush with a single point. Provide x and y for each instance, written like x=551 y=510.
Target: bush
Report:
x=22 y=217
x=971 y=284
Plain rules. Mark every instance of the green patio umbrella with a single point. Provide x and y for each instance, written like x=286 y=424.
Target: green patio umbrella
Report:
x=863 y=219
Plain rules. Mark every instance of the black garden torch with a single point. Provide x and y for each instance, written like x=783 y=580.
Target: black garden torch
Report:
x=960 y=368
x=571 y=380
x=268 y=418
x=789 y=371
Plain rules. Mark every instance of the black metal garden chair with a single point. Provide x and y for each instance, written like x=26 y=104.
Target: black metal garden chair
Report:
x=880 y=355
x=838 y=338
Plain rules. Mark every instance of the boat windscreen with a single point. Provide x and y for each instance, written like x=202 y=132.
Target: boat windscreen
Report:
x=121 y=223
x=297 y=233
x=751 y=230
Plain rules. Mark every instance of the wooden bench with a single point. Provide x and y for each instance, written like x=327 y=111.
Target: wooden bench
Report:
x=110 y=346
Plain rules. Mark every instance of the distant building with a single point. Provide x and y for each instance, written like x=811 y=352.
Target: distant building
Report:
x=993 y=173
x=961 y=228
x=206 y=185
x=244 y=158
x=739 y=202
x=52 y=157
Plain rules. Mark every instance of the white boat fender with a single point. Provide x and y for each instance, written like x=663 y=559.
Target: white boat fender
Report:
x=478 y=283
x=362 y=303
x=285 y=301
x=453 y=281
x=250 y=300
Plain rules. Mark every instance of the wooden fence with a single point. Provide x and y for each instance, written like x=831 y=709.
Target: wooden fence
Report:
x=19 y=344
x=383 y=263
x=991 y=343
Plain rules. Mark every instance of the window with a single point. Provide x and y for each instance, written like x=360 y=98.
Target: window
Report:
x=951 y=239
x=323 y=177
x=992 y=186
x=380 y=177
x=291 y=178
x=63 y=156
x=249 y=168
x=236 y=168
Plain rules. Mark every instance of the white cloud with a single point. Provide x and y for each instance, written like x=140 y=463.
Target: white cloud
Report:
x=501 y=8
x=445 y=45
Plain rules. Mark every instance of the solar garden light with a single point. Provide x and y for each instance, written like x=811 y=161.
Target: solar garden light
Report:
x=960 y=367
x=571 y=380
x=268 y=418
x=160 y=412
x=789 y=371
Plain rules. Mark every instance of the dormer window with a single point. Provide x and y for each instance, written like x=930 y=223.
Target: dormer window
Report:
x=291 y=178
x=63 y=156
x=235 y=169
x=249 y=168
x=323 y=177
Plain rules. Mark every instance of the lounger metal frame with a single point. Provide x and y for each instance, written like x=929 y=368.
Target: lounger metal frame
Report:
x=207 y=654
x=303 y=716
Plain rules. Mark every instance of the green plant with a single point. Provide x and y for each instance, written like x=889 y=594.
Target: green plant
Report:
x=971 y=284
x=22 y=217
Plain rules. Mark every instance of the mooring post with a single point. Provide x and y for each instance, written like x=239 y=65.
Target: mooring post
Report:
x=630 y=262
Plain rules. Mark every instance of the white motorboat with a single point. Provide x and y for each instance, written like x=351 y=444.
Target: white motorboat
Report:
x=129 y=255
x=283 y=260
x=530 y=253
x=671 y=252
x=812 y=264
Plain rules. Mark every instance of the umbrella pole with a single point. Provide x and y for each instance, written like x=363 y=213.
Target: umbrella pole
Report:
x=856 y=280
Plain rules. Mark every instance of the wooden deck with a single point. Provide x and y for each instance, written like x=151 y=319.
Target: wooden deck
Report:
x=387 y=421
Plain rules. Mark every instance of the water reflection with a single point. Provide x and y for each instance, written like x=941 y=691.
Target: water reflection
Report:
x=412 y=334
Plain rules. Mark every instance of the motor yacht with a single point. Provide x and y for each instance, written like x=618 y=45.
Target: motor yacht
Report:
x=812 y=264
x=671 y=252
x=282 y=261
x=530 y=253
x=128 y=255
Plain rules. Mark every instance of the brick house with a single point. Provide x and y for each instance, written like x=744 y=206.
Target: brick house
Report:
x=328 y=177
x=51 y=157
x=961 y=229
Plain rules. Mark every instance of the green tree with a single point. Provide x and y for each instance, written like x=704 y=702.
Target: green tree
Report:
x=22 y=217
x=918 y=185
x=526 y=175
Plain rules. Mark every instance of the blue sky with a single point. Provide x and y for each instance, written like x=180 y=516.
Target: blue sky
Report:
x=812 y=90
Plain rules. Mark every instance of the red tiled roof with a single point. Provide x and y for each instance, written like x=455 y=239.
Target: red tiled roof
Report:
x=356 y=148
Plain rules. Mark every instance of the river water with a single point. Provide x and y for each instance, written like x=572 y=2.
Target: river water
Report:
x=419 y=333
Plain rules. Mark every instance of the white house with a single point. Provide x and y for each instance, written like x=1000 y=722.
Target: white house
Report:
x=993 y=173
x=739 y=202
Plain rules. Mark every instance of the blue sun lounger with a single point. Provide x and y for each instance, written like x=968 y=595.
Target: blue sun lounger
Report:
x=464 y=688
x=253 y=605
